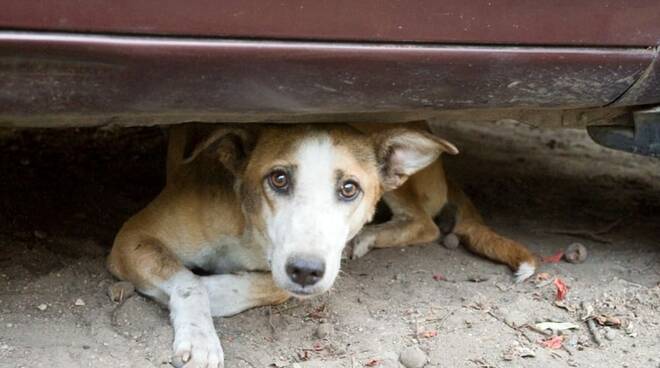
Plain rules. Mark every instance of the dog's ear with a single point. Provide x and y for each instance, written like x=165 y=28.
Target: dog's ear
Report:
x=231 y=146
x=403 y=152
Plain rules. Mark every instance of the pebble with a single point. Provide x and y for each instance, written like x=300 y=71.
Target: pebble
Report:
x=177 y=362
x=120 y=291
x=324 y=330
x=572 y=341
x=42 y=307
x=451 y=241
x=610 y=334
x=79 y=302
x=413 y=357
x=478 y=278
x=576 y=253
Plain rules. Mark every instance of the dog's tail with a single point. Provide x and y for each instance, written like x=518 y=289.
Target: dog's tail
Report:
x=461 y=217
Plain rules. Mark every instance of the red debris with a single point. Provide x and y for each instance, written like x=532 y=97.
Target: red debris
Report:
x=562 y=289
x=554 y=342
x=372 y=363
x=429 y=334
x=555 y=258
x=439 y=277
x=318 y=346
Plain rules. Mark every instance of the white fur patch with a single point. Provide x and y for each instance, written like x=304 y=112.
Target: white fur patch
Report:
x=232 y=294
x=362 y=244
x=195 y=339
x=525 y=271
x=312 y=221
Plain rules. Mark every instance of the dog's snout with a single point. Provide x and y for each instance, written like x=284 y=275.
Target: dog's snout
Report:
x=305 y=271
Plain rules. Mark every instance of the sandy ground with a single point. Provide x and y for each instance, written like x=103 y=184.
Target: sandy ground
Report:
x=63 y=195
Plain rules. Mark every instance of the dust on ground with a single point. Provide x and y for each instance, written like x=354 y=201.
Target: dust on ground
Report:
x=64 y=194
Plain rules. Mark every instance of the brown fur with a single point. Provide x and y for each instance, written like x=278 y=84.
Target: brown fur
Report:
x=417 y=202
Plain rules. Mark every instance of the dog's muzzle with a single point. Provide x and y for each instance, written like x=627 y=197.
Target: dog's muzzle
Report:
x=305 y=271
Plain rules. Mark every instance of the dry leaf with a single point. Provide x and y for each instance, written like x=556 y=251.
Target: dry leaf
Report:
x=605 y=320
x=562 y=289
x=555 y=258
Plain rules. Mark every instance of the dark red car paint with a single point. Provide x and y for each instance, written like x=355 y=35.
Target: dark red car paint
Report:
x=547 y=22
x=94 y=62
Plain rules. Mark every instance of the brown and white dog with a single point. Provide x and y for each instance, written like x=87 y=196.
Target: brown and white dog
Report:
x=267 y=211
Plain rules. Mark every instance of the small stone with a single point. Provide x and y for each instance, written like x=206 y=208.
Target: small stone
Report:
x=177 y=362
x=478 y=278
x=413 y=357
x=120 y=291
x=10 y=325
x=576 y=253
x=451 y=241
x=610 y=334
x=42 y=307
x=79 y=302
x=324 y=330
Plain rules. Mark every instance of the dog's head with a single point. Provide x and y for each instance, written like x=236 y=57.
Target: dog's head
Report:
x=307 y=190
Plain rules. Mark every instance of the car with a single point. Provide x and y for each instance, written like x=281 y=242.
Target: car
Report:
x=568 y=63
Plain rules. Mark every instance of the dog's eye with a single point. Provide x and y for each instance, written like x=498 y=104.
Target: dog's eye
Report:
x=349 y=190
x=279 y=180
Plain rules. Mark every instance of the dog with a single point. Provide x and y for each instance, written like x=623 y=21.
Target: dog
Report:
x=429 y=205
x=266 y=212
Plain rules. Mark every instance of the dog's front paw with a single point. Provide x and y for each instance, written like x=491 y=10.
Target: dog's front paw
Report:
x=197 y=347
x=362 y=244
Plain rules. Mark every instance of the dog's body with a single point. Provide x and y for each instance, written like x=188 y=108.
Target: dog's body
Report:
x=268 y=210
x=427 y=198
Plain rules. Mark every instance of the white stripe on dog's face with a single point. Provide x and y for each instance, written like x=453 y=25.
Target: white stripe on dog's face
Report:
x=311 y=222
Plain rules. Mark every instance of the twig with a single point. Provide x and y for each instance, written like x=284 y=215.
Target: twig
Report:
x=270 y=320
x=115 y=311
x=542 y=332
x=442 y=319
x=510 y=326
x=594 y=331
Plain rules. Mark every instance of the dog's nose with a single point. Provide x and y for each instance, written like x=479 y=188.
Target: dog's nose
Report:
x=305 y=271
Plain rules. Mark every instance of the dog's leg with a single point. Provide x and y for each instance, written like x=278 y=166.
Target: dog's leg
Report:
x=410 y=225
x=482 y=240
x=232 y=294
x=156 y=272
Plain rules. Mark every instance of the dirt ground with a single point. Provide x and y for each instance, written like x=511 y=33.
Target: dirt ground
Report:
x=64 y=193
